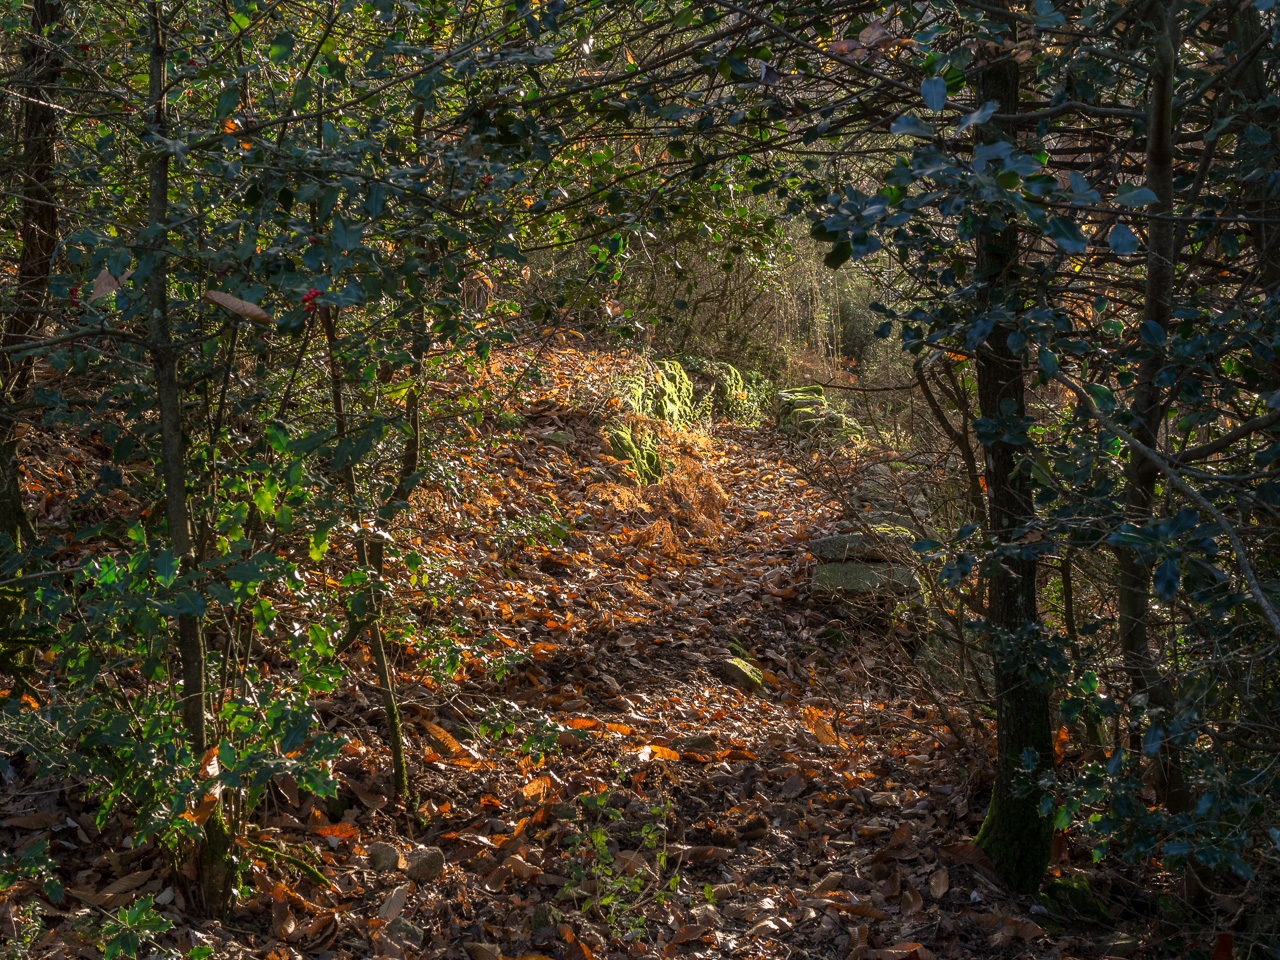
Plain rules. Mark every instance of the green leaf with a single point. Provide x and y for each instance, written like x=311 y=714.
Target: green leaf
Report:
x=228 y=100
x=838 y=254
x=281 y=48
x=301 y=94
x=1130 y=196
x=1102 y=397
x=1122 y=240
x=1067 y=235
x=934 y=91
x=909 y=125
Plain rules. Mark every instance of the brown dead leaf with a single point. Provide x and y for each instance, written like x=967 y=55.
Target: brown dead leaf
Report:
x=633 y=862
x=971 y=855
x=393 y=904
x=283 y=923
x=653 y=751
x=691 y=932
x=701 y=854
x=793 y=787
x=33 y=821
x=250 y=311
x=903 y=951
x=105 y=283
x=202 y=811
x=339 y=831
x=521 y=868
x=911 y=901
x=939 y=883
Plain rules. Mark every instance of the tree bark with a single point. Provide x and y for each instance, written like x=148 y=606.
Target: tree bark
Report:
x=1016 y=835
x=216 y=867
x=1134 y=573
x=370 y=557
x=38 y=235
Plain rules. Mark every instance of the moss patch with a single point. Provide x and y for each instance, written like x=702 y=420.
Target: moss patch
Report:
x=640 y=449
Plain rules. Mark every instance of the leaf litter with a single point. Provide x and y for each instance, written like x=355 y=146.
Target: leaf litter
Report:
x=588 y=781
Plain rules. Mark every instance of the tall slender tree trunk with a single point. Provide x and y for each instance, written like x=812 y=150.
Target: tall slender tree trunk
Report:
x=41 y=66
x=370 y=557
x=1134 y=573
x=217 y=871
x=1016 y=835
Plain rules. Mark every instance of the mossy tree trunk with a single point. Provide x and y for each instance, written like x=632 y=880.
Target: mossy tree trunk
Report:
x=1016 y=835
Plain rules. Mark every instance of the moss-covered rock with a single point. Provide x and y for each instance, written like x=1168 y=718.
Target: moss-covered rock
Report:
x=803 y=412
x=639 y=448
x=852 y=579
x=741 y=674
x=672 y=394
x=1073 y=897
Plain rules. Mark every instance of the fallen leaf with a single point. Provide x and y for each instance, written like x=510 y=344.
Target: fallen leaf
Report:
x=442 y=737
x=911 y=901
x=939 y=883
x=653 y=751
x=973 y=856
x=33 y=821
x=691 y=932
x=339 y=831
x=393 y=904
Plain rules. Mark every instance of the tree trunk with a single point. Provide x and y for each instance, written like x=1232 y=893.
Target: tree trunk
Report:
x=1134 y=573
x=1016 y=835
x=370 y=557
x=41 y=66
x=217 y=870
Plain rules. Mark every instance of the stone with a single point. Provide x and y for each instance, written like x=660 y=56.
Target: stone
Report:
x=861 y=546
x=405 y=933
x=426 y=865
x=641 y=449
x=545 y=915
x=864 y=579
x=1073 y=895
x=383 y=857
x=483 y=951
x=741 y=674
x=673 y=394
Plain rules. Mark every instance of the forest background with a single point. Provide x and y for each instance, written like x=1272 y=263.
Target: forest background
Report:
x=243 y=243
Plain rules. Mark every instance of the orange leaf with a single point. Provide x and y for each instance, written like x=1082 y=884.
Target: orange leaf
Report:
x=536 y=789
x=209 y=763
x=339 y=831
x=1060 y=745
x=652 y=751
x=203 y=811
x=583 y=723
x=443 y=737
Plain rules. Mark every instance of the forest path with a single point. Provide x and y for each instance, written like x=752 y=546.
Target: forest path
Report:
x=601 y=785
